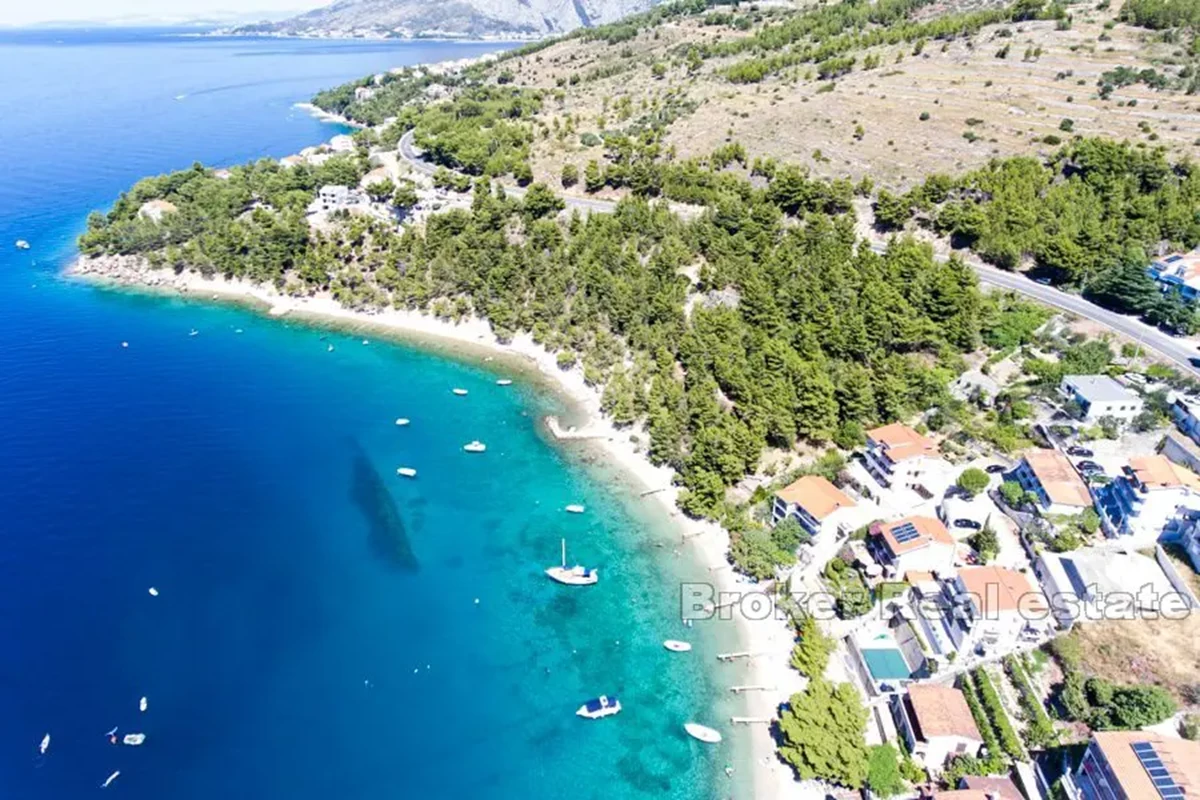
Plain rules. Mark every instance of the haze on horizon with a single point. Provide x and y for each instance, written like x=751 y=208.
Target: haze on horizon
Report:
x=167 y=10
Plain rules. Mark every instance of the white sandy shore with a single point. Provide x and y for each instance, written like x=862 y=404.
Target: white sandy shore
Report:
x=770 y=639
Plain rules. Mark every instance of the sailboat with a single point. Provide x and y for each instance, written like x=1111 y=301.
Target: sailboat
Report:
x=573 y=576
x=45 y=745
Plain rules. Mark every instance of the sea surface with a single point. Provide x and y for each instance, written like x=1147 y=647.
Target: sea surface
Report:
x=322 y=628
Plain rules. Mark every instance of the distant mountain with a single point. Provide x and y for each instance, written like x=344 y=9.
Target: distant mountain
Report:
x=476 y=19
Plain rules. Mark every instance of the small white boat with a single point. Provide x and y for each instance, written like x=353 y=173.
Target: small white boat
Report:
x=676 y=646
x=329 y=349
x=142 y=704
x=22 y=244
x=572 y=576
x=124 y=344
x=574 y=508
x=193 y=332
x=45 y=745
x=366 y=341
x=153 y=592
x=406 y=472
x=108 y=781
x=504 y=382
x=133 y=739
x=602 y=706
x=475 y=447
x=459 y=392
x=402 y=421
x=702 y=732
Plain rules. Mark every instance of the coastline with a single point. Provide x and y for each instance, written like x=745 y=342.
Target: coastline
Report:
x=771 y=640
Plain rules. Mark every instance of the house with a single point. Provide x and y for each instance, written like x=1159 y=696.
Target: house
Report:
x=363 y=93
x=1100 y=396
x=982 y=610
x=1091 y=584
x=994 y=787
x=974 y=385
x=1137 y=765
x=898 y=457
x=333 y=198
x=814 y=502
x=287 y=162
x=154 y=210
x=936 y=724
x=1178 y=271
x=1053 y=480
x=342 y=143
x=1151 y=493
x=1186 y=413
x=916 y=543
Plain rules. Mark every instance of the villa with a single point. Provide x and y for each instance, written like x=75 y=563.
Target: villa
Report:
x=982 y=610
x=913 y=544
x=815 y=503
x=1100 y=396
x=1179 y=271
x=1138 y=765
x=900 y=458
x=1050 y=477
x=936 y=724
x=1142 y=503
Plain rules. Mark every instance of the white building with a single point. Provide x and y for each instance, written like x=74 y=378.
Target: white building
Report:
x=1051 y=477
x=1152 y=493
x=900 y=458
x=814 y=502
x=1179 y=271
x=1090 y=585
x=1101 y=396
x=913 y=544
x=936 y=724
x=982 y=610
x=333 y=198
x=363 y=93
x=1187 y=417
x=342 y=143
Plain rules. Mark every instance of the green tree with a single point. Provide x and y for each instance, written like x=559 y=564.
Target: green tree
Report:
x=986 y=543
x=973 y=481
x=821 y=734
x=381 y=191
x=540 y=201
x=570 y=175
x=883 y=771
x=788 y=534
x=812 y=650
x=593 y=177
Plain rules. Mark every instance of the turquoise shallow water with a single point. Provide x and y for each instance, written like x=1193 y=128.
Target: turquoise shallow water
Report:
x=316 y=632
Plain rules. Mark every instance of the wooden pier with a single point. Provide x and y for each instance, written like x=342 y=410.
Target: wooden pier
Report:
x=751 y=720
x=733 y=656
x=756 y=688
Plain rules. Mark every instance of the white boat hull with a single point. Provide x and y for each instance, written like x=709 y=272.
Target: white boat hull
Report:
x=574 y=509
x=702 y=732
x=676 y=646
x=573 y=576
x=406 y=472
x=600 y=708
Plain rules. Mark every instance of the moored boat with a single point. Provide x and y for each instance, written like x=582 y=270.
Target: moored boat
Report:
x=142 y=704
x=459 y=392
x=402 y=421
x=475 y=447
x=602 y=706
x=22 y=244
x=406 y=472
x=572 y=576
x=504 y=382
x=45 y=745
x=133 y=739
x=676 y=646
x=702 y=732
x=575 y=508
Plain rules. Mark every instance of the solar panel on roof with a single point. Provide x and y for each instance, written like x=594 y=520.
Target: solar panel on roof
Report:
x=905 y=533
x=1159 y=775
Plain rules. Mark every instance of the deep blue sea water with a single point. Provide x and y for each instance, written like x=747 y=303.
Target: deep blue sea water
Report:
x=316 y=634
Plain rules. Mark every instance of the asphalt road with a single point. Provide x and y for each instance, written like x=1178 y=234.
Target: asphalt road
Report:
x=1181 y=351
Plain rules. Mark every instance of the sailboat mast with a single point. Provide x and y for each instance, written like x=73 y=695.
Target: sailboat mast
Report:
x=564 y=553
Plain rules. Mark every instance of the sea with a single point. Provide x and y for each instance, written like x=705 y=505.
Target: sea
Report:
x=322 y=628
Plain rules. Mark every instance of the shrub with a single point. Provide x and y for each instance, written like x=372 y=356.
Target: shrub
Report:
x=1067 y=125
x=570 y=175
x=973 y=481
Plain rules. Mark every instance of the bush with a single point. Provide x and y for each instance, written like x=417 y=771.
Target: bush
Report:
x=883 y=771
x=924 y=116
x=570 y=175
x=811 y=654
x=1067 y=125
x=973 y=481
x=990 y=700
x=566 y=359
x=1039 y=730
x=1012 y=493
x=986 y=544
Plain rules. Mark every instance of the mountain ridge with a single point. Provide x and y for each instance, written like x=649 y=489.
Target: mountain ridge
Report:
x=471 y=19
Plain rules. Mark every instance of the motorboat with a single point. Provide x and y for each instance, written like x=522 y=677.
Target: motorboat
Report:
x=402 y=421
x=45 y=745
x=475 y=447
x=504 y=382
x=193 y=332
x=329 y=349
x=575 y=508
x=133 y=739
x=459 y=392
x=572 y=576
x=142 y=704
x=676 y=646
x=602 y=706
x=406 y=472
x=702 y=732
x=153 y=592
x=22 y=244
x=108 y=781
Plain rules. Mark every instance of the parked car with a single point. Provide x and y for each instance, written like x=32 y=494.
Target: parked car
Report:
x=1090 y=466
x=993 y=469
x=967 y=523
x=1076 y=450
